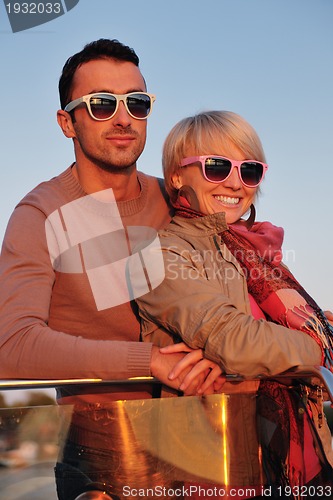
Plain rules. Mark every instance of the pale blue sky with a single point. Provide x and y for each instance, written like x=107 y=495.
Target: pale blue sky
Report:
x=268 y=60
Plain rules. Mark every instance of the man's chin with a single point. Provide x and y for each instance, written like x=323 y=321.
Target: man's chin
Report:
x=122 y=168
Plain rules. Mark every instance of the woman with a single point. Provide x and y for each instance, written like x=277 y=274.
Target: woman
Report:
x=226 y=291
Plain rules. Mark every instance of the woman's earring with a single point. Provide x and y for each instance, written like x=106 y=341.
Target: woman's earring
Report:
x=252 y=217
x=187 y=196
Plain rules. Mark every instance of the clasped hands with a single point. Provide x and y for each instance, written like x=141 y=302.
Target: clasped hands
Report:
x=186 y=369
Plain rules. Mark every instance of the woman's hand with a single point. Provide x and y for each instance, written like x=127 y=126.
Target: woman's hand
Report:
x=329 y=316
x=202 y=376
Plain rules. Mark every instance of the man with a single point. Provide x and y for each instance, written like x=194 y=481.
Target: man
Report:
x=66 y=306
x=52 y=324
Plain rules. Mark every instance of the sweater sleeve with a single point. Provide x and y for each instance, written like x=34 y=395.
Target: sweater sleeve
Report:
x=29 y=348
x=201 y=312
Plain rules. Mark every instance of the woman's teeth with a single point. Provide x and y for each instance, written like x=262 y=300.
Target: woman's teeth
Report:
x=227 y=200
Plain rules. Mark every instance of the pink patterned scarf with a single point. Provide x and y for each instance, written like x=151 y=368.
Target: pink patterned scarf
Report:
x=274 y=288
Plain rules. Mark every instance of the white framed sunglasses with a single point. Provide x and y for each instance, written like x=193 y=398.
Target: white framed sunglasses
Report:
x=103 y=105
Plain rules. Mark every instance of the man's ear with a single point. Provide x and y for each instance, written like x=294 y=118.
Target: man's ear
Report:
x=176 y=180
x=65 y=123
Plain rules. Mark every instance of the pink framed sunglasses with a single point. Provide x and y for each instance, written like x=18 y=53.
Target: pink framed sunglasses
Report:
x=218 y=168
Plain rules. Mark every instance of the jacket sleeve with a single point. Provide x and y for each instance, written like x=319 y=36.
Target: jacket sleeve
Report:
x=188 y=305
x=29 y=348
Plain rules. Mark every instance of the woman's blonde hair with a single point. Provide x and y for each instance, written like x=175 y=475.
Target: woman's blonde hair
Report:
x=211 y=132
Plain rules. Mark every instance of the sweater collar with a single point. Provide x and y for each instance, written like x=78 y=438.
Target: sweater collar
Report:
x=125 y=208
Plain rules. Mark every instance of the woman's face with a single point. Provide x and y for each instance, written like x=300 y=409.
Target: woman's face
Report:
x=229 y=196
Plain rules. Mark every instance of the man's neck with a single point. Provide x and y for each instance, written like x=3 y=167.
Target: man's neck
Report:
x=124 y=183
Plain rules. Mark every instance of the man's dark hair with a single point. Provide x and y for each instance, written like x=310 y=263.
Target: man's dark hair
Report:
x=100 y=49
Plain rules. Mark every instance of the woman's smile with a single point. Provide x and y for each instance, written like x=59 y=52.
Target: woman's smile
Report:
x=226 y=200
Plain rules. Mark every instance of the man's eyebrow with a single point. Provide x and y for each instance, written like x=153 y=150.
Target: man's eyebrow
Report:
x=105 y=91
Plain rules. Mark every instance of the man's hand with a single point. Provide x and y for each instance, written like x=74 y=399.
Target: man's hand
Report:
x=197 y=374
x=163 y=364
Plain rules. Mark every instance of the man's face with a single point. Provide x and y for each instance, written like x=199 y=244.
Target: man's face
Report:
x=117 y=143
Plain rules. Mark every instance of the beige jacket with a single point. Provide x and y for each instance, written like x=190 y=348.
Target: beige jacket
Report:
x=204 y=300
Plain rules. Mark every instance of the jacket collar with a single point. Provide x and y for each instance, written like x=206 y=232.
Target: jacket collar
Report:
x=199 y=226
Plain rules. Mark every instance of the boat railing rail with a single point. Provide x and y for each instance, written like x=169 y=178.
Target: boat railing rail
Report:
x=324 y=376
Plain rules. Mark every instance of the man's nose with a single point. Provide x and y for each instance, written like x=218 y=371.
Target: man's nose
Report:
x=122 y=117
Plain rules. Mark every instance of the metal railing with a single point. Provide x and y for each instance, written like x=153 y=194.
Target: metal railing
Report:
x=301 y=373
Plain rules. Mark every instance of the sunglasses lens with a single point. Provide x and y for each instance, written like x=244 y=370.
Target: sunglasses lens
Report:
x=139 y=105
x=103 y=107
x=252 y=173
x=217 y=169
